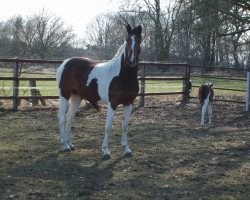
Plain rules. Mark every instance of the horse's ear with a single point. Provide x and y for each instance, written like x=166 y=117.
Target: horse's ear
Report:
x=139 y=28
x=128 y=29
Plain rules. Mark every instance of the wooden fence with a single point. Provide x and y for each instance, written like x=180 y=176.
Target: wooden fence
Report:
x=185 y=73
x=184 y=77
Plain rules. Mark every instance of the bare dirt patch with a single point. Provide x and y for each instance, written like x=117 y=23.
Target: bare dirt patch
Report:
x=173 y=157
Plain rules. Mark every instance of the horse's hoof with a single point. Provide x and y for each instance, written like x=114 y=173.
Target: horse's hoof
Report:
x=128 y=155
x=72 y=148
x=106 y=157
x=67 y=150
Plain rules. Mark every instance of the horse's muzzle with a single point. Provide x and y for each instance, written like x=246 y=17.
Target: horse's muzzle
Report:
x=134 y=63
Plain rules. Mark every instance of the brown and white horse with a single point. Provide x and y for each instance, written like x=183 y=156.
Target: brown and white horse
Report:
x=114 y=82
x=206 y=94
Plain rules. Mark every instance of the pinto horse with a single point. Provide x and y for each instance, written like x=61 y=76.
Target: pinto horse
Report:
x=114 y=82
x=206 y=94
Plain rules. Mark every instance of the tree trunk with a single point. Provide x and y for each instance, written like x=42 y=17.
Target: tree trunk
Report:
x=159 y=43
x=207 y=49
x=235 y=54
x=212 y=58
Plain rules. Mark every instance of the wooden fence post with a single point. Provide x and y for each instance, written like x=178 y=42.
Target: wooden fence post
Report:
x=142 y=103
x=33 y=92
x=185 y=87
x=248 y=92
x=15 y=85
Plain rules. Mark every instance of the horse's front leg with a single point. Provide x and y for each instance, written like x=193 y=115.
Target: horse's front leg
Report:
x=203 y=112
x=125 y=120
x=108 y=126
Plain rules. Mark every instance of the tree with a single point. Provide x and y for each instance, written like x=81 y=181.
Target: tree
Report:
x=4 y=39
x=217 y=30
x=103 y=36
x=41 y=36
x=162 y=25
x=51 y=36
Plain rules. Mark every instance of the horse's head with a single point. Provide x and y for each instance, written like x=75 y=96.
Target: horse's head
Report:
x=133 y=47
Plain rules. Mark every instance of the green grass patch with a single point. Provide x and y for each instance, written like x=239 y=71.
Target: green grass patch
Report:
x=163 y=86
x=48 y=88
x=221 y=83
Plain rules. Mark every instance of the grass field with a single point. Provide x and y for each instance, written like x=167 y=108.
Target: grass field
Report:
x=173 y=157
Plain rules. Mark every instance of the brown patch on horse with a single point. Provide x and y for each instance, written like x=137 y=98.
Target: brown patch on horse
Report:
x=120 y=90
x=74 y=79
x=204 y=90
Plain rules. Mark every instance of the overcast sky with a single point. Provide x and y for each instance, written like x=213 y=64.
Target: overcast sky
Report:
x=77 y=13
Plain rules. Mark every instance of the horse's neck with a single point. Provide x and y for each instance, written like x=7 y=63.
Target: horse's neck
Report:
x=118 y=65
x=115 y=62
x=120 y=51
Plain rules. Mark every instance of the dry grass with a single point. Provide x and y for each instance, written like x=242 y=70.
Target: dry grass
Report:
x=173 y=157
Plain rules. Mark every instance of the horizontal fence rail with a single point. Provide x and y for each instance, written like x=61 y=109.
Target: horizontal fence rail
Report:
x=220 y=88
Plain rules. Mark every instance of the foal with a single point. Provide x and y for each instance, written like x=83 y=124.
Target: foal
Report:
x=114 y=82
x=206 y=94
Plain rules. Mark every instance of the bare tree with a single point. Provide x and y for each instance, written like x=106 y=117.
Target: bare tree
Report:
x=103 y=36
x=51 y=34
x=5 y=46
x=41 y=35
x=163 y=19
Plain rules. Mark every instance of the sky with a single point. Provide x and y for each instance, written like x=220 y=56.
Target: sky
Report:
x=75 y=13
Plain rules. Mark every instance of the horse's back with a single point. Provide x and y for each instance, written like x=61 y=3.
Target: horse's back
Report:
x=74 y=65
x=72 y=75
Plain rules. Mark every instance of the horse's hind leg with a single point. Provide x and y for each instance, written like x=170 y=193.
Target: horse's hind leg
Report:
x=70 y=116
x=63 y=103
x=124 y=141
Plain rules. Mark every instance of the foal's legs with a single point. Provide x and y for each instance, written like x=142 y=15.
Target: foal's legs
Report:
x=125 y=120
x=62 y=120
x=203 y=112
x=70 y=116
x=108 y=126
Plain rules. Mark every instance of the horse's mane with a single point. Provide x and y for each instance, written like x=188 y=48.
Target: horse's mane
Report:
x=117 y=56
x=120 y=50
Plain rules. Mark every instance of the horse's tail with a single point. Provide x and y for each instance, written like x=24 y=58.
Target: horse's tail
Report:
x=60 y=70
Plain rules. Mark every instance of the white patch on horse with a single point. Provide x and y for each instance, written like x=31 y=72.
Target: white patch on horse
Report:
x=132 y=48
x=63 y=103
x=204 y=109
x=125 y=121
x=206 y=95
x=108 y=126
x=104 y=73
x=59 y=73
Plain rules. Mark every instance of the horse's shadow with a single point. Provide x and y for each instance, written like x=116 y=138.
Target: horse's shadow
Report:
x=73 y=177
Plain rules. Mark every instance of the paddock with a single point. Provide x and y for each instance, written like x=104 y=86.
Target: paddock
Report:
x=173 y=157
